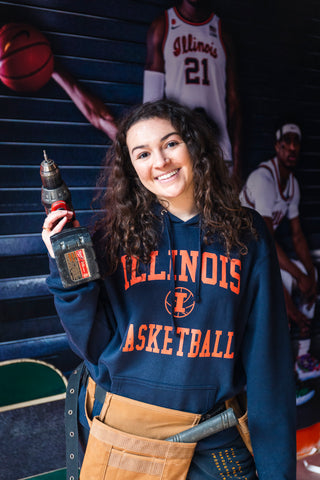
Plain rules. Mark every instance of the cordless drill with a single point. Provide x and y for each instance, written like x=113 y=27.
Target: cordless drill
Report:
x=72 y=246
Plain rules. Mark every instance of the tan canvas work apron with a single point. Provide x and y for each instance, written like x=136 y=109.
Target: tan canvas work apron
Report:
x=126 y=441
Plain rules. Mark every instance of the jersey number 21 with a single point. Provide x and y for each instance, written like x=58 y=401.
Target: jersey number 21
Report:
x=196 y=72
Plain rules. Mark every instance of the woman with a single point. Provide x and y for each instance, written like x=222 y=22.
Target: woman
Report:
x=190 y=310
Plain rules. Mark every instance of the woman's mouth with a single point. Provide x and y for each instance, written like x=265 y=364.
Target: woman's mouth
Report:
x=167 y=176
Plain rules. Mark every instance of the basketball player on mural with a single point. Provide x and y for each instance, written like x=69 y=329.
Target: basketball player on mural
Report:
x=195 y=68
x=89 y=104
x=273 y=191
x=190 y=309
x=190 y=60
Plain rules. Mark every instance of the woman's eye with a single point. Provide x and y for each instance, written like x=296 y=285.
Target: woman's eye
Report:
x=143 y=155
x=172 y=143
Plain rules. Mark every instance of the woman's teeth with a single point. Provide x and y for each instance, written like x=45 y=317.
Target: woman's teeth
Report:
x=167 y=175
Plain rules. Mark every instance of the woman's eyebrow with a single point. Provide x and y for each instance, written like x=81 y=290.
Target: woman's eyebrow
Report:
x=137 y=147
x=168 y=135
x=161 y=140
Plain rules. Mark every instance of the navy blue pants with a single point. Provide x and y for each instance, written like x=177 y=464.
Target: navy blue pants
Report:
x=232 y=461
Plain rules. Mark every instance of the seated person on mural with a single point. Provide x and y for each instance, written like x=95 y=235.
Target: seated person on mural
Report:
x=190 y=309
x=273 y=191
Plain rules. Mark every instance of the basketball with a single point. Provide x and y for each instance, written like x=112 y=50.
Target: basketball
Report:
x=26 y=58
x=183 y=302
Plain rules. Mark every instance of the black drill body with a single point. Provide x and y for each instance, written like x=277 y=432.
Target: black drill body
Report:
x=72 y=247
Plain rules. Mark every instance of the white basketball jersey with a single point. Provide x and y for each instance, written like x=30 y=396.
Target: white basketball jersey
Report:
x=195 y=69
x=262 y=192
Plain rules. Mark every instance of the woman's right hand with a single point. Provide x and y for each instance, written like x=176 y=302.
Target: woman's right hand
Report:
x=53 y=224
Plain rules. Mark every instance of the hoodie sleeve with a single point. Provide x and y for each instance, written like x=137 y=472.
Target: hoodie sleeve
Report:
x=84 y=313
x=267 y=359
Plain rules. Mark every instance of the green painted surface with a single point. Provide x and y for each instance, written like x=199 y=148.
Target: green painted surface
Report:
x=27 y=381
x=55 y=475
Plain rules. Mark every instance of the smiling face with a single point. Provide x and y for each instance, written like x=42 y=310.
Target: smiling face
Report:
x=163 y=164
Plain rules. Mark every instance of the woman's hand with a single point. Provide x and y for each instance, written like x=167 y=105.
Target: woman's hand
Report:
x=53 y=224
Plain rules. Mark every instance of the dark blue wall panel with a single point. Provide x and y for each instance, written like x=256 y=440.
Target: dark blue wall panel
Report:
x=103 y=45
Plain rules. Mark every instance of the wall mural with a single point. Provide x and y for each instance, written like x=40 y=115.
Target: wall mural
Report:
x=186 y=54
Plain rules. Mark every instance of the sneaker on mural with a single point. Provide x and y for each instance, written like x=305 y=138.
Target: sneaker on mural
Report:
x=307 y=367
x=303 y=393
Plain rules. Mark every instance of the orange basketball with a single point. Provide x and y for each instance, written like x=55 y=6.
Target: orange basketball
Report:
x=26 y=59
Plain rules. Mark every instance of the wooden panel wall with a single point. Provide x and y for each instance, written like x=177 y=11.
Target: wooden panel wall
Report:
x=103 y=45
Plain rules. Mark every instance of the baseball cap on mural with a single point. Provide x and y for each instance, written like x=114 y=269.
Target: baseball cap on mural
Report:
x=288 y=128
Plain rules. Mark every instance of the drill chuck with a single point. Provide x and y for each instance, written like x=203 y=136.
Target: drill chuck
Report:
x=55 y=194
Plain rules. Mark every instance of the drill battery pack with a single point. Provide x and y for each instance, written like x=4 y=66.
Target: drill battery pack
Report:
x=75 y=256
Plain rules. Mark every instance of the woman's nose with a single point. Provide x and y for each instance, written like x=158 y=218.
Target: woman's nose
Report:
x=160 y=159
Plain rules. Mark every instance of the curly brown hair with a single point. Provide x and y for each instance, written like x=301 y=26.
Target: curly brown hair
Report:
x=130 y=224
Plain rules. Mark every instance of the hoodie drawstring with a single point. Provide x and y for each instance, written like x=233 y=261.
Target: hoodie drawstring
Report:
x=167 y=225
x=199 y=265
x=168 y=229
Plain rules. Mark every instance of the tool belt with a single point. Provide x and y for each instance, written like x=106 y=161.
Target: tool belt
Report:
x=239 y=406
x=126 y=439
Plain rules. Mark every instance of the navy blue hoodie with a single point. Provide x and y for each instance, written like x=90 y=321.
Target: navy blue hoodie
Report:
x=191 y=330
